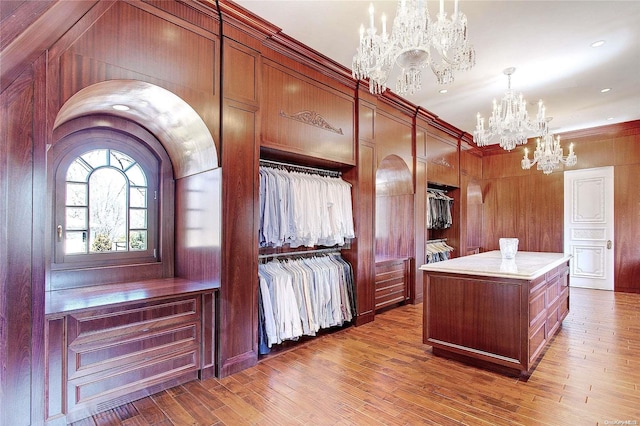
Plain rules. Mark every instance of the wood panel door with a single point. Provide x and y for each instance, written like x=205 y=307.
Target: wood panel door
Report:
x=588 y=226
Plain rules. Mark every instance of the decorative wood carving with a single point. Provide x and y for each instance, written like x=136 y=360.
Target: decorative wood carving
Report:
x=312 y=118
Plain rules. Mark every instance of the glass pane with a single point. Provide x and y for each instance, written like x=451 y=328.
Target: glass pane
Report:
x=138 y=218
x=108 y=204
x=120 y=160
x=76 y=194
x=136 y=176
x=78 y=171
x=101 y=243
x=138 y=197
x=120 y=244
x=76 y=218
x=75 y=242
x=138 y=240
x=96 y=158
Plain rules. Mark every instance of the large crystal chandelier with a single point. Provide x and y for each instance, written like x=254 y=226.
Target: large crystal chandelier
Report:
x=549 y=155
x=509 y=119
x=414 y=43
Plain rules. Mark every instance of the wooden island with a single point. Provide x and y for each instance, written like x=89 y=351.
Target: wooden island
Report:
x=493 y=312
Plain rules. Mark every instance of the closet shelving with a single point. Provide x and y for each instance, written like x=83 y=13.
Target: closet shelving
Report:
x=305 y=286
x=442 y=233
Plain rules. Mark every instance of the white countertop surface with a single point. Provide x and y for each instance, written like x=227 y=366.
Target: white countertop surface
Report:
x=527 y=265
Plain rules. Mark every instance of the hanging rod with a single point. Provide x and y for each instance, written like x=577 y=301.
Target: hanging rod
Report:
x=297 y=253
x=441 y=191
x=331 y=173
x=438 y=240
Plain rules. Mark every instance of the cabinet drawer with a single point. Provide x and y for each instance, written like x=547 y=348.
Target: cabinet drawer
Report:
x=391 y=282
x=107 y=338
x=537 y=339
x=390 y=267
x=537 y=308
x=116 y=322
x=108 y=386
x=114 y=352
x=390 y=294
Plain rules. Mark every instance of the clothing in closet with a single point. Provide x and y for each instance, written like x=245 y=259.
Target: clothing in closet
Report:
x=303 y=209
x=437 y=250
x=300 y=296
x=439 y=208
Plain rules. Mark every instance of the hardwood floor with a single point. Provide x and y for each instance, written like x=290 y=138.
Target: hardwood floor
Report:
x=381 y=373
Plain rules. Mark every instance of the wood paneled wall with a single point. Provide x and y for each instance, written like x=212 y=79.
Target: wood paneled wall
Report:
x=50 y=51
x=529 y=205
x=394 y=209
x=238 y=312
x=18 y=284
x=198 y=225
x=394 y=230
x=362 y=256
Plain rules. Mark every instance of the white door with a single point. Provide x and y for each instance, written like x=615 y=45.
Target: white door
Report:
x=588 y=226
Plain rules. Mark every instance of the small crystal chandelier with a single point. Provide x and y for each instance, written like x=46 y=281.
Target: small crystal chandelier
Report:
x=509 y=119
x=414 y=43
x=549 y=154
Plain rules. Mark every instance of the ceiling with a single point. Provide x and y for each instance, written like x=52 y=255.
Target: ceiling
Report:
x=548 y=42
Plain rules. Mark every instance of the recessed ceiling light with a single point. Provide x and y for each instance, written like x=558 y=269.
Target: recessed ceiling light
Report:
x=120 y=107
x=605 y=90
x=443 y=90
x=597 y=43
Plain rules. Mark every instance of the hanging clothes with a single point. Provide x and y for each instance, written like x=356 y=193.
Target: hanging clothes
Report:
x=303 y=209
x=439 y=207
x=299 y=296
x=437 y=250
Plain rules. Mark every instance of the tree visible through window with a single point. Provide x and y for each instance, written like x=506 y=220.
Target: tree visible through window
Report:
x=106 y=207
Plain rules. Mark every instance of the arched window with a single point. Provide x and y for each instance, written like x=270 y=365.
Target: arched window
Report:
x=106 y=207
x=106 y=202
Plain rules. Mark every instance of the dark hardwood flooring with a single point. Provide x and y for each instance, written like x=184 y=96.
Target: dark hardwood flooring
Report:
x=382 y=373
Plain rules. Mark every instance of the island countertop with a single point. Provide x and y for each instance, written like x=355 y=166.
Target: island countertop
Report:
x=527 y=265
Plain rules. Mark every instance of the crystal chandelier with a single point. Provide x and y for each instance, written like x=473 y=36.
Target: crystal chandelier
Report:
x=549 y=154
x=414 y=43
x=509 y=119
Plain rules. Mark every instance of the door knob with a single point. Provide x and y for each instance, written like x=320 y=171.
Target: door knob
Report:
x=609 y=244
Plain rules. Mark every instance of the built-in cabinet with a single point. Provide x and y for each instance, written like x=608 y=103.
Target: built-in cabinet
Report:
x=392 y=282
x=109 y=346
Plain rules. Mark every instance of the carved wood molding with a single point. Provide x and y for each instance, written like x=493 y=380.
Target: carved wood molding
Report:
x=312 y=118
x=441 y=162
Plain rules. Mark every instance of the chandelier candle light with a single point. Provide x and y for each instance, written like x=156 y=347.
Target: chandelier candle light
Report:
x=549 y=154
x=414 y=43
x=510 y=120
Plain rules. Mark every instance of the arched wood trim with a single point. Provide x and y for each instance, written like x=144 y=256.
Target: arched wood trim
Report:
x=170 y=119
x=393 y=177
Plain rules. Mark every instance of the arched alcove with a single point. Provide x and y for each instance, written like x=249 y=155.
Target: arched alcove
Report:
x=168 y=117
x=394 y=209
x=190 y=226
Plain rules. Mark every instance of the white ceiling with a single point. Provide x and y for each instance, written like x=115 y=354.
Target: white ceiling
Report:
x=548 y=42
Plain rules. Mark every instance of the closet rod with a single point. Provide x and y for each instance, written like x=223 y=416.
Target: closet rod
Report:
x=297 y=253
x=438 y=240
x=331 y=173
x=441 y=191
